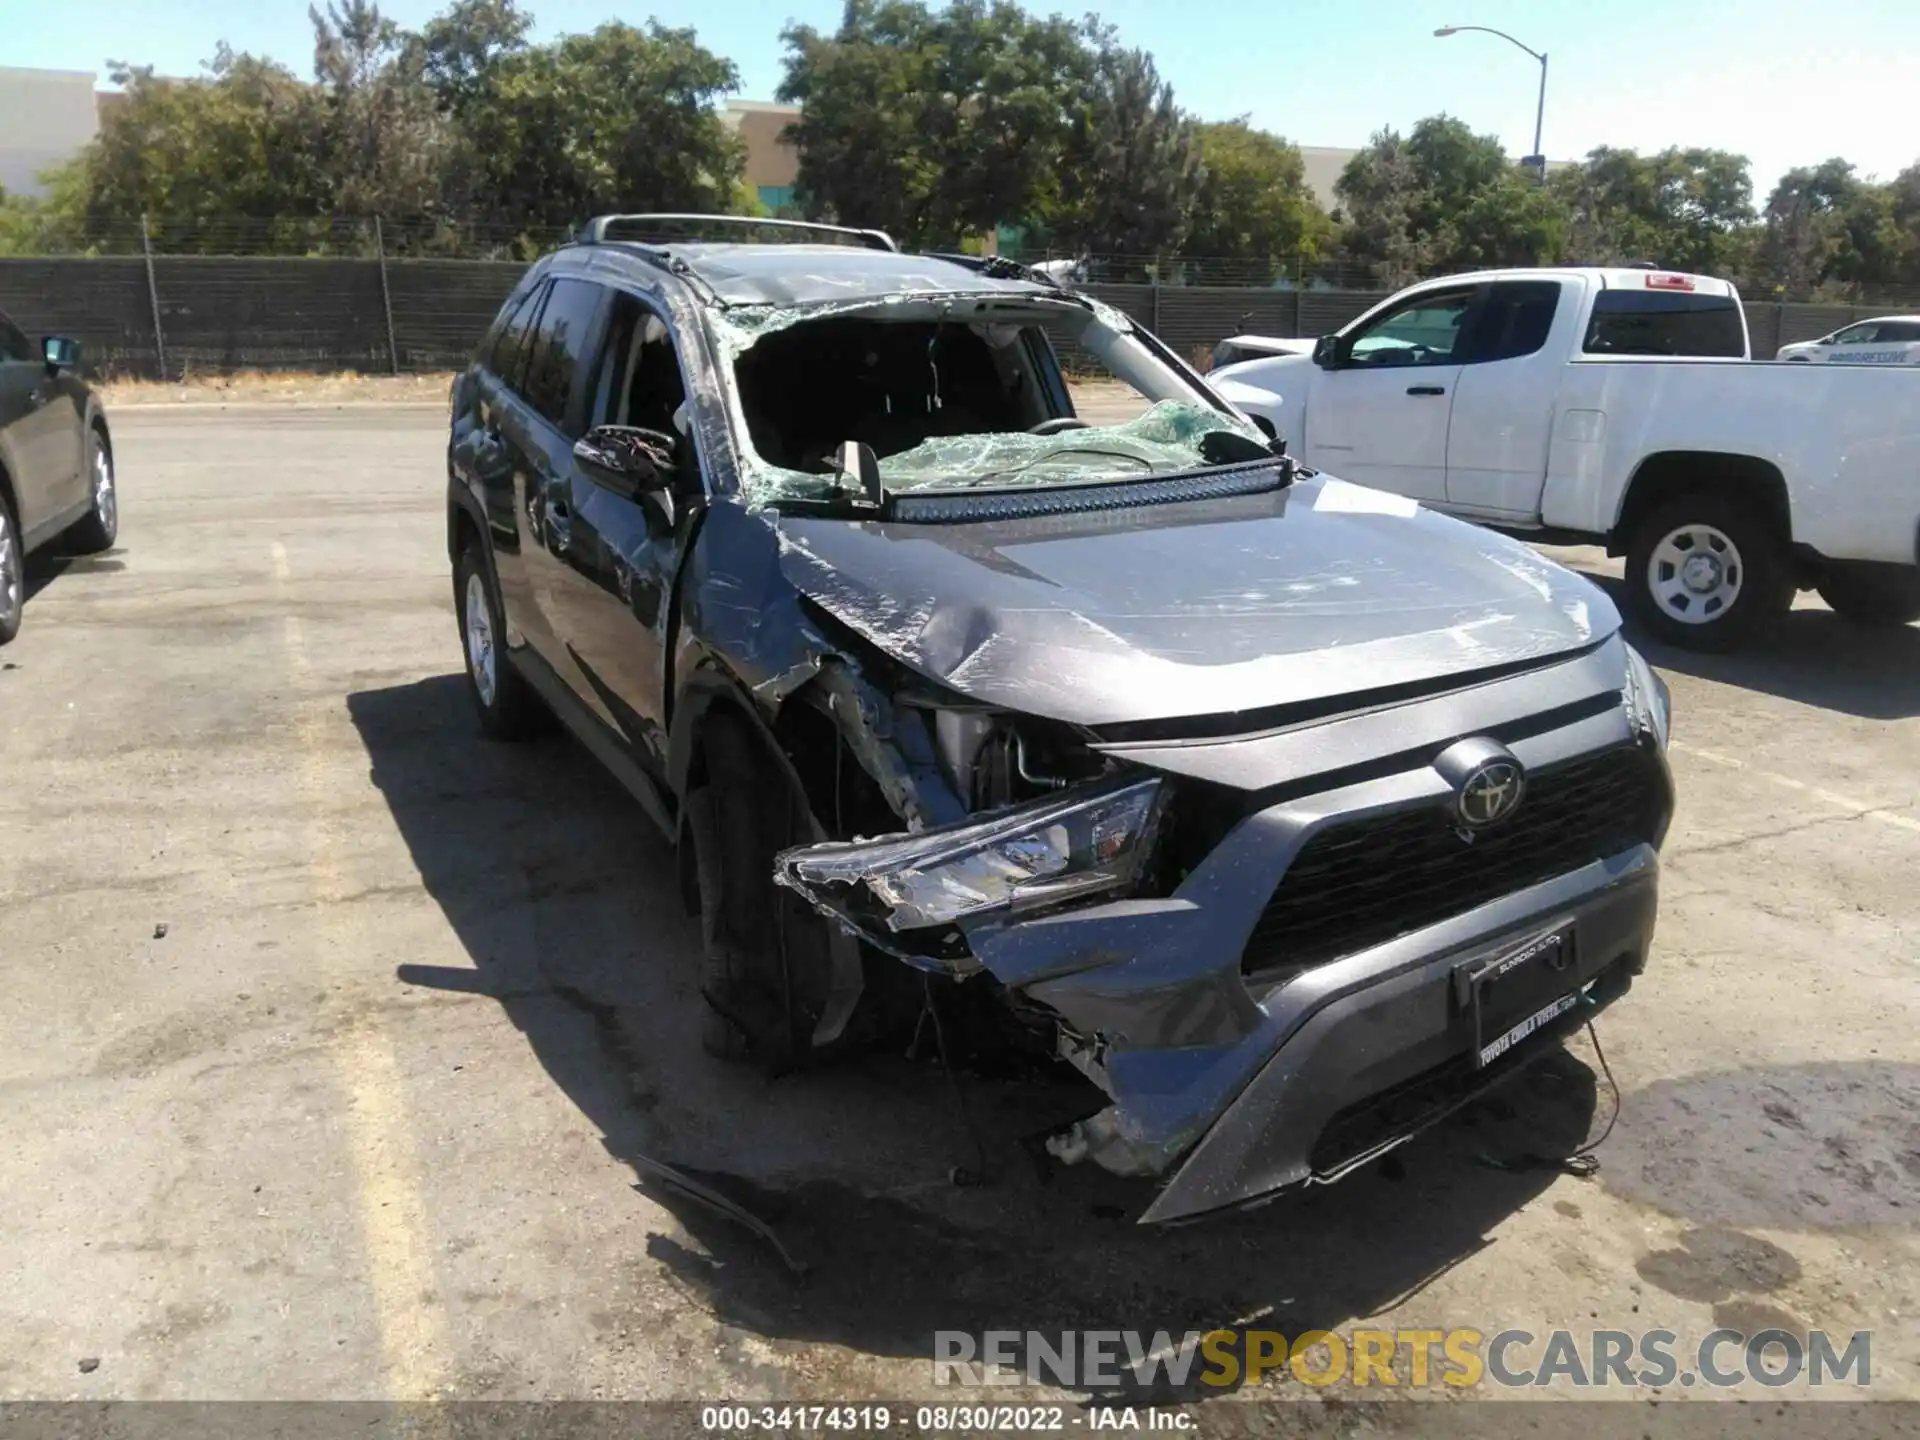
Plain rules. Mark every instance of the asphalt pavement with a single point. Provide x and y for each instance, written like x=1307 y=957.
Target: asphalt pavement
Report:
x=335 y=1041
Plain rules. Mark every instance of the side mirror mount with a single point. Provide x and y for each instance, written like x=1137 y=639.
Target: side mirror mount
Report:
x=625 y=459
x=60 y=353
x=1327 y=352
x=1264 y=425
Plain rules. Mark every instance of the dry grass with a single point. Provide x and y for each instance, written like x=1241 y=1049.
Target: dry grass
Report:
x=279 y=388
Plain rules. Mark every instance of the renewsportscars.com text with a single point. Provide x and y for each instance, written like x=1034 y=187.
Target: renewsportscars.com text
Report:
x=1458 y=1359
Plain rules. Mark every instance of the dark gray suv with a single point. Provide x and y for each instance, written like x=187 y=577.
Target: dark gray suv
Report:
x=1285 y=812
x=56 y=462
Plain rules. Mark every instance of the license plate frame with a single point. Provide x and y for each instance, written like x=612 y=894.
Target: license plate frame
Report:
x=1519 y=991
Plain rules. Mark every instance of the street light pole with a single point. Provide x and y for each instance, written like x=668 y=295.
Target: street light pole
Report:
x=1539 y=156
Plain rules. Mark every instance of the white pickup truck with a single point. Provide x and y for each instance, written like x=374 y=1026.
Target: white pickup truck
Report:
x=1619 y=407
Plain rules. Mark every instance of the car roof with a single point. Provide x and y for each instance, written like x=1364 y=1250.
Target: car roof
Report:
x=1609 y=277
x=801 y=274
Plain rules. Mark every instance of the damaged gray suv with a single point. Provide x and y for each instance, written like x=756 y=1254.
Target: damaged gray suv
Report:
x=1287 y=813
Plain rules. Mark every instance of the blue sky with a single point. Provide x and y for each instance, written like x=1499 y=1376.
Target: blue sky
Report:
x=1786 y=82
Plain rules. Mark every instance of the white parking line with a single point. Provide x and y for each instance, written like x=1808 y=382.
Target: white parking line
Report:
x=1861 y=809
x=380 y=1139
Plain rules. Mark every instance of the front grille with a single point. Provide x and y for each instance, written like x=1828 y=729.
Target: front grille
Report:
x=1360 y=884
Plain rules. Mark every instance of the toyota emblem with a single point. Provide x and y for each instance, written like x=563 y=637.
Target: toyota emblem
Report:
x=1490 y=793
x=1488 y=782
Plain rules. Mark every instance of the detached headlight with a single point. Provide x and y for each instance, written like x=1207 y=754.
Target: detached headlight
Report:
x=1647 y=694
x=1078 y=843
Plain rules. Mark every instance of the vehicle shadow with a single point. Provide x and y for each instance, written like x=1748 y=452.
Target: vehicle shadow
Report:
x=1809 y=655
x=565 y=901
x=43 y=567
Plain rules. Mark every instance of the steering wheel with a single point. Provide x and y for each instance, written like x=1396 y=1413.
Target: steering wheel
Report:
x=1058 y=424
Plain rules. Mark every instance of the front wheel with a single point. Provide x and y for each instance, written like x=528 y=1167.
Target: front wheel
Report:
x=1704 y=571
x=1872 y=594
x=100 y=527
x=768 y=969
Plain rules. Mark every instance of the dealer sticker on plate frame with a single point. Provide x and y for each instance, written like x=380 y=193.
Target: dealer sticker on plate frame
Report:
x=1520 y=991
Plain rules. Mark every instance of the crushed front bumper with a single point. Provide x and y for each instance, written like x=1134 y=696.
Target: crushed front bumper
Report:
x=1236 y=1081
x=1300 y=1002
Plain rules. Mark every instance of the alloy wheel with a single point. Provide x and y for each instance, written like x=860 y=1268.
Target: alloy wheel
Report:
x=106 y=500
x=480 y=651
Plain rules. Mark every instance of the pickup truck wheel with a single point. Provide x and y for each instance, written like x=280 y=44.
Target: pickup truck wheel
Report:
x=1872 y=595
x=767 y=959
x=1703 y=571
x=13 y=574
x=507 y=707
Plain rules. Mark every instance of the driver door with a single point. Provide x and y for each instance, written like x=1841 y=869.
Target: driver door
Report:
x=626 y=552
x=1380 y=415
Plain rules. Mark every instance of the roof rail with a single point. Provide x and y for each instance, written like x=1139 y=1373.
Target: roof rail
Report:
x=595 y=231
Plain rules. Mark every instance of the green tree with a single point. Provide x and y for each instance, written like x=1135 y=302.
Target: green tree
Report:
x=244 y=138
x=1131 y=162
x=617 y=119
x=933 y=125
x=1383 y=201
x=1688 y=209
x=385 y=141
x=462 y=48
x=1443 y=198
x=1254 y=204
x=1829 y=235
x=1904 y=195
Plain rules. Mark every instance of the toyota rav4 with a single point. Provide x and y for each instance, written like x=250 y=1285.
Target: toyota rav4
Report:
x=1289 y=813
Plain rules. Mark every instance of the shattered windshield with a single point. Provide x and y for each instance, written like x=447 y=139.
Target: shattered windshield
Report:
x=934 y=392
x=1170 y=435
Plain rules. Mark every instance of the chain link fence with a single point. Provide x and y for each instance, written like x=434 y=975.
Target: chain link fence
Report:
x=371 y=295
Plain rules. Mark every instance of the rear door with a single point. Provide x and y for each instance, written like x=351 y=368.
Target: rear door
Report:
x=539 y=431
x=1503 y=400
x=482 y=455
x=1380 y=416
x=626 y=552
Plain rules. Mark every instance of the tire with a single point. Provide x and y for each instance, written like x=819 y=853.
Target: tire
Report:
x=767 y=960
x=1873 y=595
x=13 y=574
x=506 y=705
x=100 y=527
x=1741 y=581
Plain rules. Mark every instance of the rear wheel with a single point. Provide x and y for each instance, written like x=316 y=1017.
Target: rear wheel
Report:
x=1872 y=594
x=101 y=526
x=1703 y=571
x=768 y=962
x=13 y=574
x=507 y=707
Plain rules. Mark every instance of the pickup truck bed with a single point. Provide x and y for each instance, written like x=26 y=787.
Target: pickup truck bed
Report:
x=1620 y=406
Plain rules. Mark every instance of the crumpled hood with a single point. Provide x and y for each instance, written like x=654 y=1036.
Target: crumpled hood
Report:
x=1205 y=608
